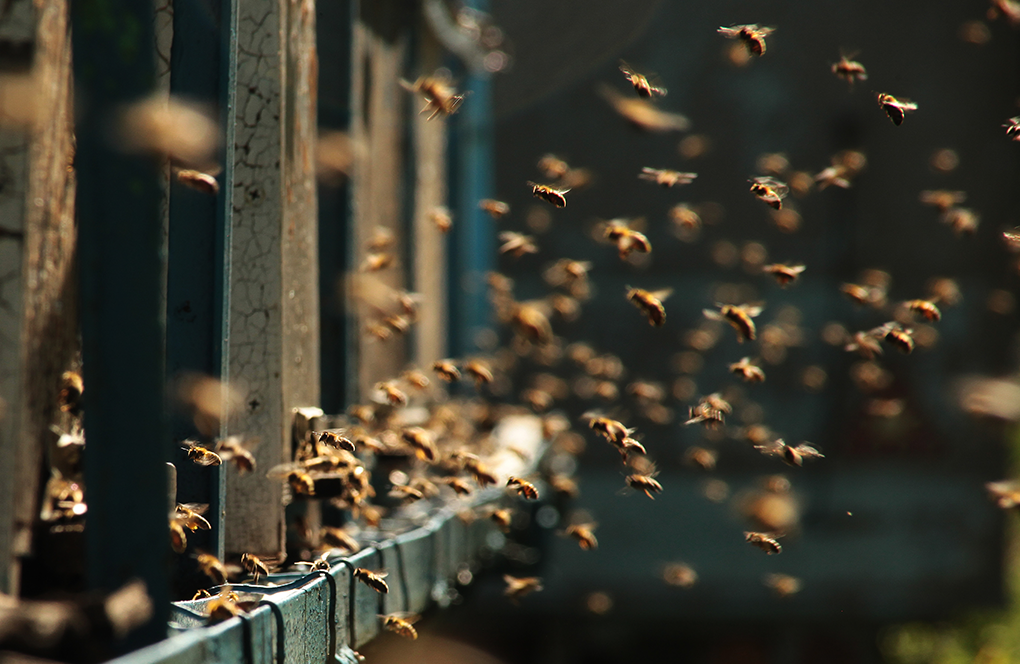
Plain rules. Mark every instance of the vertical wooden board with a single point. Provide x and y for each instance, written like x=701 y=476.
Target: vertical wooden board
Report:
x=378 y=122
x=430 y=278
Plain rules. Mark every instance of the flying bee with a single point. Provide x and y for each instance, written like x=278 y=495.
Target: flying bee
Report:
x=899 y=336
x=644 y=482
x=666 y=178
x=401 y=625
x=379 y=331
x=711 y=411
x=178 y=537
x=925 y=308
x=763 y=541
x=793 y=456
x=650 y=303
x=399 y=324
x=440 y=216
x=416 y=378
x=613 y=430
x=495 y=209
x=296 y=476
x=518 y=587
x=642 y=114
x=393 y=394
x=701 y=457
x=782 y=585
x=849 y=70
x=201 y=455
x=738 y=316
x=235 y=449
x=1012 y=127
x=531 y=322
x=421 y=441
x=211 y=566
x=751 y=373
x=895 y=108
x=372 y=579
x=378 y=260
x=553 y=196
x=784 y=274
x=963 y=220
x=517 y=244
x=564 y=485
x=440 y=97
x=686 y=221
x=752 y=35
x=503 y=518
x=405 y=494
x=190 y=516
x=198 y=181
x=873 y=296
x=338 y=538
x=254 y=566
x=942 y=199
x=523 y=487
x=627 y=239
x=446 y=370
x=337 y=441
x=553 y=167
x=629 y=446
x=584 y=533
x=1005 y=493
x=71 y=390
x=679 y=574
x=459 y=485
x=769 y=190
x=479 y=370
x=640 y=82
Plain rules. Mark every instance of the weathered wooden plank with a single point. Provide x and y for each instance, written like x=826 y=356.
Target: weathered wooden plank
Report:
x=381 y=35
x=271 y=330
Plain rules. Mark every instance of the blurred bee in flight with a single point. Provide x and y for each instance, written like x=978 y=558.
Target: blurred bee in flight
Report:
x=640 y=82
x=650 y=303
x=555 y=197
x=849 y=70
x=784 y=274
x=896 y=109
x=763 y=541
x=752 y=35
x=769 y=190
x=740 y=317
x=666 y=178
x=440 y=96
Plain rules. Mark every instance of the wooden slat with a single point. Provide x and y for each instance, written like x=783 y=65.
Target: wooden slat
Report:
x=271 y=331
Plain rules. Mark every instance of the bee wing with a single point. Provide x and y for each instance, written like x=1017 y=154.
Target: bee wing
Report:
x=809 y=451
x=197 y=508
x=626 y=68
x=661 y=294
x=752 y=310
x=712 y=314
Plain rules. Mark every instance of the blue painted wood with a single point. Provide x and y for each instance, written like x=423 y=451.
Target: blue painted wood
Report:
x=120 y=255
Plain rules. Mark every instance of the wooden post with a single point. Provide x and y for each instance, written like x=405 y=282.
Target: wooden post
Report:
x=38 y=298
x=270 y=347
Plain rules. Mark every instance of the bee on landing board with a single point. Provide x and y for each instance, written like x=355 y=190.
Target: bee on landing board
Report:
x=666 y=178
x=738 y=316
x=640 y=82
x=752 y=35
x=555 y=197
x=896 y=109
x=769 y=190
x=373 y=580
x=650 y=303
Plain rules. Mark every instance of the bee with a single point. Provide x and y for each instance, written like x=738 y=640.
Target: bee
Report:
x=1012 y=128
x=402 y=626
x=518 y=587
x=627 y=239
x=517 y=244
x=899 y=336
x=178 y=537
x=553 y=167
x=925 y=308
x=1005 y=493
x=479 y=370
x=613 y=430
x=711 y=410
x=503 y=518
x=458 y=484
x=870 y=295
x=297 y=478
x=686 y=221
x=371 y=579
x=963 y=220
x=569 y=273
x=701 y=457
x=523 y=487
x=211 y=566
x=738 y=316
x=763 y=541
x=751 y=373
x=223 y=607
x=201 y=593
x=233 y=448
x=495 y=209
x=71 y=390
x=446 y=370
x=201 y=455
x=254 y=566
x=394 y=395
x=895 y=108
x=784 y=274
x=376 y=261
x=406 y=494
x=440 y=216
x=584 y=534
x=382 y=238
x=440 y=97
x=782 y=585
x=769 y=190
x=666 y=178
x=198 y=181
x=752 y=35
x=531 y=322
x=642 y=114
x=380 y=331
x=421 y=441
x=189 y=515
x=793 y=456
x=942 y=199
x=337 y=441
x=629 y=446
x=644 y=482
x=416 y=378
x=650 y=303
x=640 y=82
x=553 y=196
x=337 y=538
x=679 y=574
x=849 y=70
x=564 y=485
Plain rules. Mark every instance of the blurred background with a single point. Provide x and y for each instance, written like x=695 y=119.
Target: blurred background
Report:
x=894 y=525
